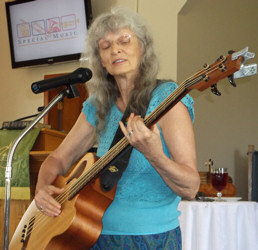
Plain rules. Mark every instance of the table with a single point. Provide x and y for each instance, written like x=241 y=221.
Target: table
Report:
x=219 y=225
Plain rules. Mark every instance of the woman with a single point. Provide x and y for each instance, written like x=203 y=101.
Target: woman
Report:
x=162 y=166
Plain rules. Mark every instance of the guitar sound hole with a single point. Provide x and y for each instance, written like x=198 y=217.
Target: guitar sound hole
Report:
x=78 y=171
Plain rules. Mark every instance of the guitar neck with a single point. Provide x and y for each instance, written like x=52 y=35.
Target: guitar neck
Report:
x=207 y=77
x=182 y=90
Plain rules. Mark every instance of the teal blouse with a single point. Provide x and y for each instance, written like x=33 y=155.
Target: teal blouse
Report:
x=143 y=203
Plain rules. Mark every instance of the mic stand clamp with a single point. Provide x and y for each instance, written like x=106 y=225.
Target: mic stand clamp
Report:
x=71 y=91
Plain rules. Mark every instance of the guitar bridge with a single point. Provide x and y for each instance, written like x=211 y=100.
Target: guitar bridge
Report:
x=25 y=235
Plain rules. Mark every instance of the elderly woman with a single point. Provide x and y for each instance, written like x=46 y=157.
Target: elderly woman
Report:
x=162 y=165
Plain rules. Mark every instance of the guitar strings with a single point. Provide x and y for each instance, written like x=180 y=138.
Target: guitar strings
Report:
x=96 y=169
x=185 y=84
x=41 y=218
x=188 y=82
x=72 y=188
x=123 y=142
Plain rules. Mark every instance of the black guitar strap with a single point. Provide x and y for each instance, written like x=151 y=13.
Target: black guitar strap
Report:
x=114 y=170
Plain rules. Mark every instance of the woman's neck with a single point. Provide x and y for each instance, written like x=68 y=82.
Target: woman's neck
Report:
x=125 y=86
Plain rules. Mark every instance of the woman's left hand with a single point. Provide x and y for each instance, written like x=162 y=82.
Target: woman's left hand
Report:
x=146 y=140
x=179 y=171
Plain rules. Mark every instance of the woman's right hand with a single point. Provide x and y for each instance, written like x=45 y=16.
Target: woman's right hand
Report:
x=79 y=140
x=46 y=202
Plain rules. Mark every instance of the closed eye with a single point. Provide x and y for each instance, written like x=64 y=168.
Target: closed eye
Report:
x=124 y=39
x=104 y=44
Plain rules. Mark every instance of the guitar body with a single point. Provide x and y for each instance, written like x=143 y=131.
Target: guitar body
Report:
x=79 y=224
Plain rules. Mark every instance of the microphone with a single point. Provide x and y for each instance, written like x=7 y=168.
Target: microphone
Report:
x=80 y=75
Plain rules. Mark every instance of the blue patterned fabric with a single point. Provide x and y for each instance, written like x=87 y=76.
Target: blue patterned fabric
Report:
x=170 y=240
x=143 y=204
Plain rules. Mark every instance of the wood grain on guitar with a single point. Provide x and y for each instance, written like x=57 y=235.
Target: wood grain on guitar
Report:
x=79 y=224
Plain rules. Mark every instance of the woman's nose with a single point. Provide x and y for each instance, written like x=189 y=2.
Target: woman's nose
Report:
x=115 y=47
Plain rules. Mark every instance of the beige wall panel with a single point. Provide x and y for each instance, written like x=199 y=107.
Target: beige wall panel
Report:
x=162 y=17
x=100 y=6
x=224 y=125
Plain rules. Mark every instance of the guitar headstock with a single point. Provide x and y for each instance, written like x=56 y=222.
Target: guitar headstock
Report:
x=222 y=68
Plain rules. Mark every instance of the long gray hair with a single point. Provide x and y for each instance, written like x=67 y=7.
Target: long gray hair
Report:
x=103 y=85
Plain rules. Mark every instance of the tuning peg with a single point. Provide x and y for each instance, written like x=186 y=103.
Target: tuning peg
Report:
x=206 y=66
x=231 y=52
x=222 y=58
x=222 y=67
x=214 y=89
x=232 y=80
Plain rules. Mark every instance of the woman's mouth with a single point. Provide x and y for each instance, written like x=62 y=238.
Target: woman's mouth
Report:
x=118 y=61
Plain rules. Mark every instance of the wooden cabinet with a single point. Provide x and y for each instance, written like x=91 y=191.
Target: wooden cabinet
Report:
x=63 y=116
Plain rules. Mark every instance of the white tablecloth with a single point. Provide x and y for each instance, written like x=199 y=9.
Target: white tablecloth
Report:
x=219 y=225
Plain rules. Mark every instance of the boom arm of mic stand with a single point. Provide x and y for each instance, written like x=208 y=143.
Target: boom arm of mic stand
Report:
x=8 y=171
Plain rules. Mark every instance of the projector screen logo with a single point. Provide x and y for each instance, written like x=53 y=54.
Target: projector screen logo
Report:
x=38 y=28
x=53 y=25
x=46 y=30
x=68 y=22
x=23 y=30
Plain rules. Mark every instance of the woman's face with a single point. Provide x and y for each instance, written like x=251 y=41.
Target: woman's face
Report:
x=120 y=52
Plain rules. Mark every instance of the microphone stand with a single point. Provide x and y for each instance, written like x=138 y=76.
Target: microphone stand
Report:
x=71 y=91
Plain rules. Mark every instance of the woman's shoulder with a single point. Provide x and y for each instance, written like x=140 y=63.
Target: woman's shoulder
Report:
x=165 y=85
x=89 y=110
x=163 y=90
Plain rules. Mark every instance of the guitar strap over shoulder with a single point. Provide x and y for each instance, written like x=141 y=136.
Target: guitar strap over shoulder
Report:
x=114 y=170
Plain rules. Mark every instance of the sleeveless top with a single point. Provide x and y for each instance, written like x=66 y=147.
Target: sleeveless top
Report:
x=143 y=203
